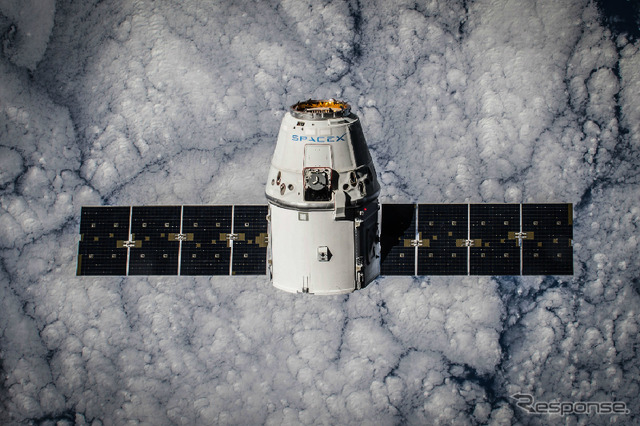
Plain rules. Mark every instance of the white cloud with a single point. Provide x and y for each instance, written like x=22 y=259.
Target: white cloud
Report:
x=26 y=27
x=147 y=103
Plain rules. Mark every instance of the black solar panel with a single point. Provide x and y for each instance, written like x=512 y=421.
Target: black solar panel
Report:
x=195 y=240
x=398 y=229
x=206 y=249
x=453 y=239
x=495 y=250
x=155 y=230
x=547 y=248
x=250 y=244
x=103 y=231
x=442 y=230
x=477 y=239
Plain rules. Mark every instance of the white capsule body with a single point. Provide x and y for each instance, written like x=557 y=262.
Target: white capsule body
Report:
x=323 y=205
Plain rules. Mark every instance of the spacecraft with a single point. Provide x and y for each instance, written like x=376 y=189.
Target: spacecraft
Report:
x=323 y=230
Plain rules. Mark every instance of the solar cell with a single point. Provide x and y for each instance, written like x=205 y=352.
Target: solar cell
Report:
x=155 y=230
x=547 y=250
x=495 y=250
x=398 y=229
x=250 y=240
x=206 y=249
x=103 y=231
x=442 y=231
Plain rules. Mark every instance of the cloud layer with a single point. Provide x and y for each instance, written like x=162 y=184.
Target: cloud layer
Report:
x=180 y=102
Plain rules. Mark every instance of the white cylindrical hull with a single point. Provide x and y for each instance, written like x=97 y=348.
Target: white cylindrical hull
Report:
x=314 y=252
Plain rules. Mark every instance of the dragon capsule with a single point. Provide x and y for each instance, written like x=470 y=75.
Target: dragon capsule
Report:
x=322 y=192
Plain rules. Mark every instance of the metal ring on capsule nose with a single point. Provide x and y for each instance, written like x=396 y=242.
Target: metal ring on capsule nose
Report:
x=313 y=108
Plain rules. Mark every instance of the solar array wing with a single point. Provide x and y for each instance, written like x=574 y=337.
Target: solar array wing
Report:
x=477 y=239
x=173 y=240
x=425 y=239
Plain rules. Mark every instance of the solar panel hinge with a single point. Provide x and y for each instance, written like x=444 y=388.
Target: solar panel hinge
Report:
x=181 y=237
x=128 y=244
x=232 y=237
x=469 y=243
x=358 y=222
x=416 y=243
x=522 y=236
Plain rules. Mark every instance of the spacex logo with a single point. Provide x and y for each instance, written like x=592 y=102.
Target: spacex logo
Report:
x=319 y=139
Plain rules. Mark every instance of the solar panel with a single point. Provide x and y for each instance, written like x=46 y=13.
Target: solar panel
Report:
x=398 y=230
x=162 y=240
x=103 y=231
x=206 y=249
x=495 y=250
x=250 y=240
x=442 y=232
x=155 y=230
x=547 y=248
x=425 y=239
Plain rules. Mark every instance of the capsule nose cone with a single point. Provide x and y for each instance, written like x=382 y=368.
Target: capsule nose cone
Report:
x=317 y=109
